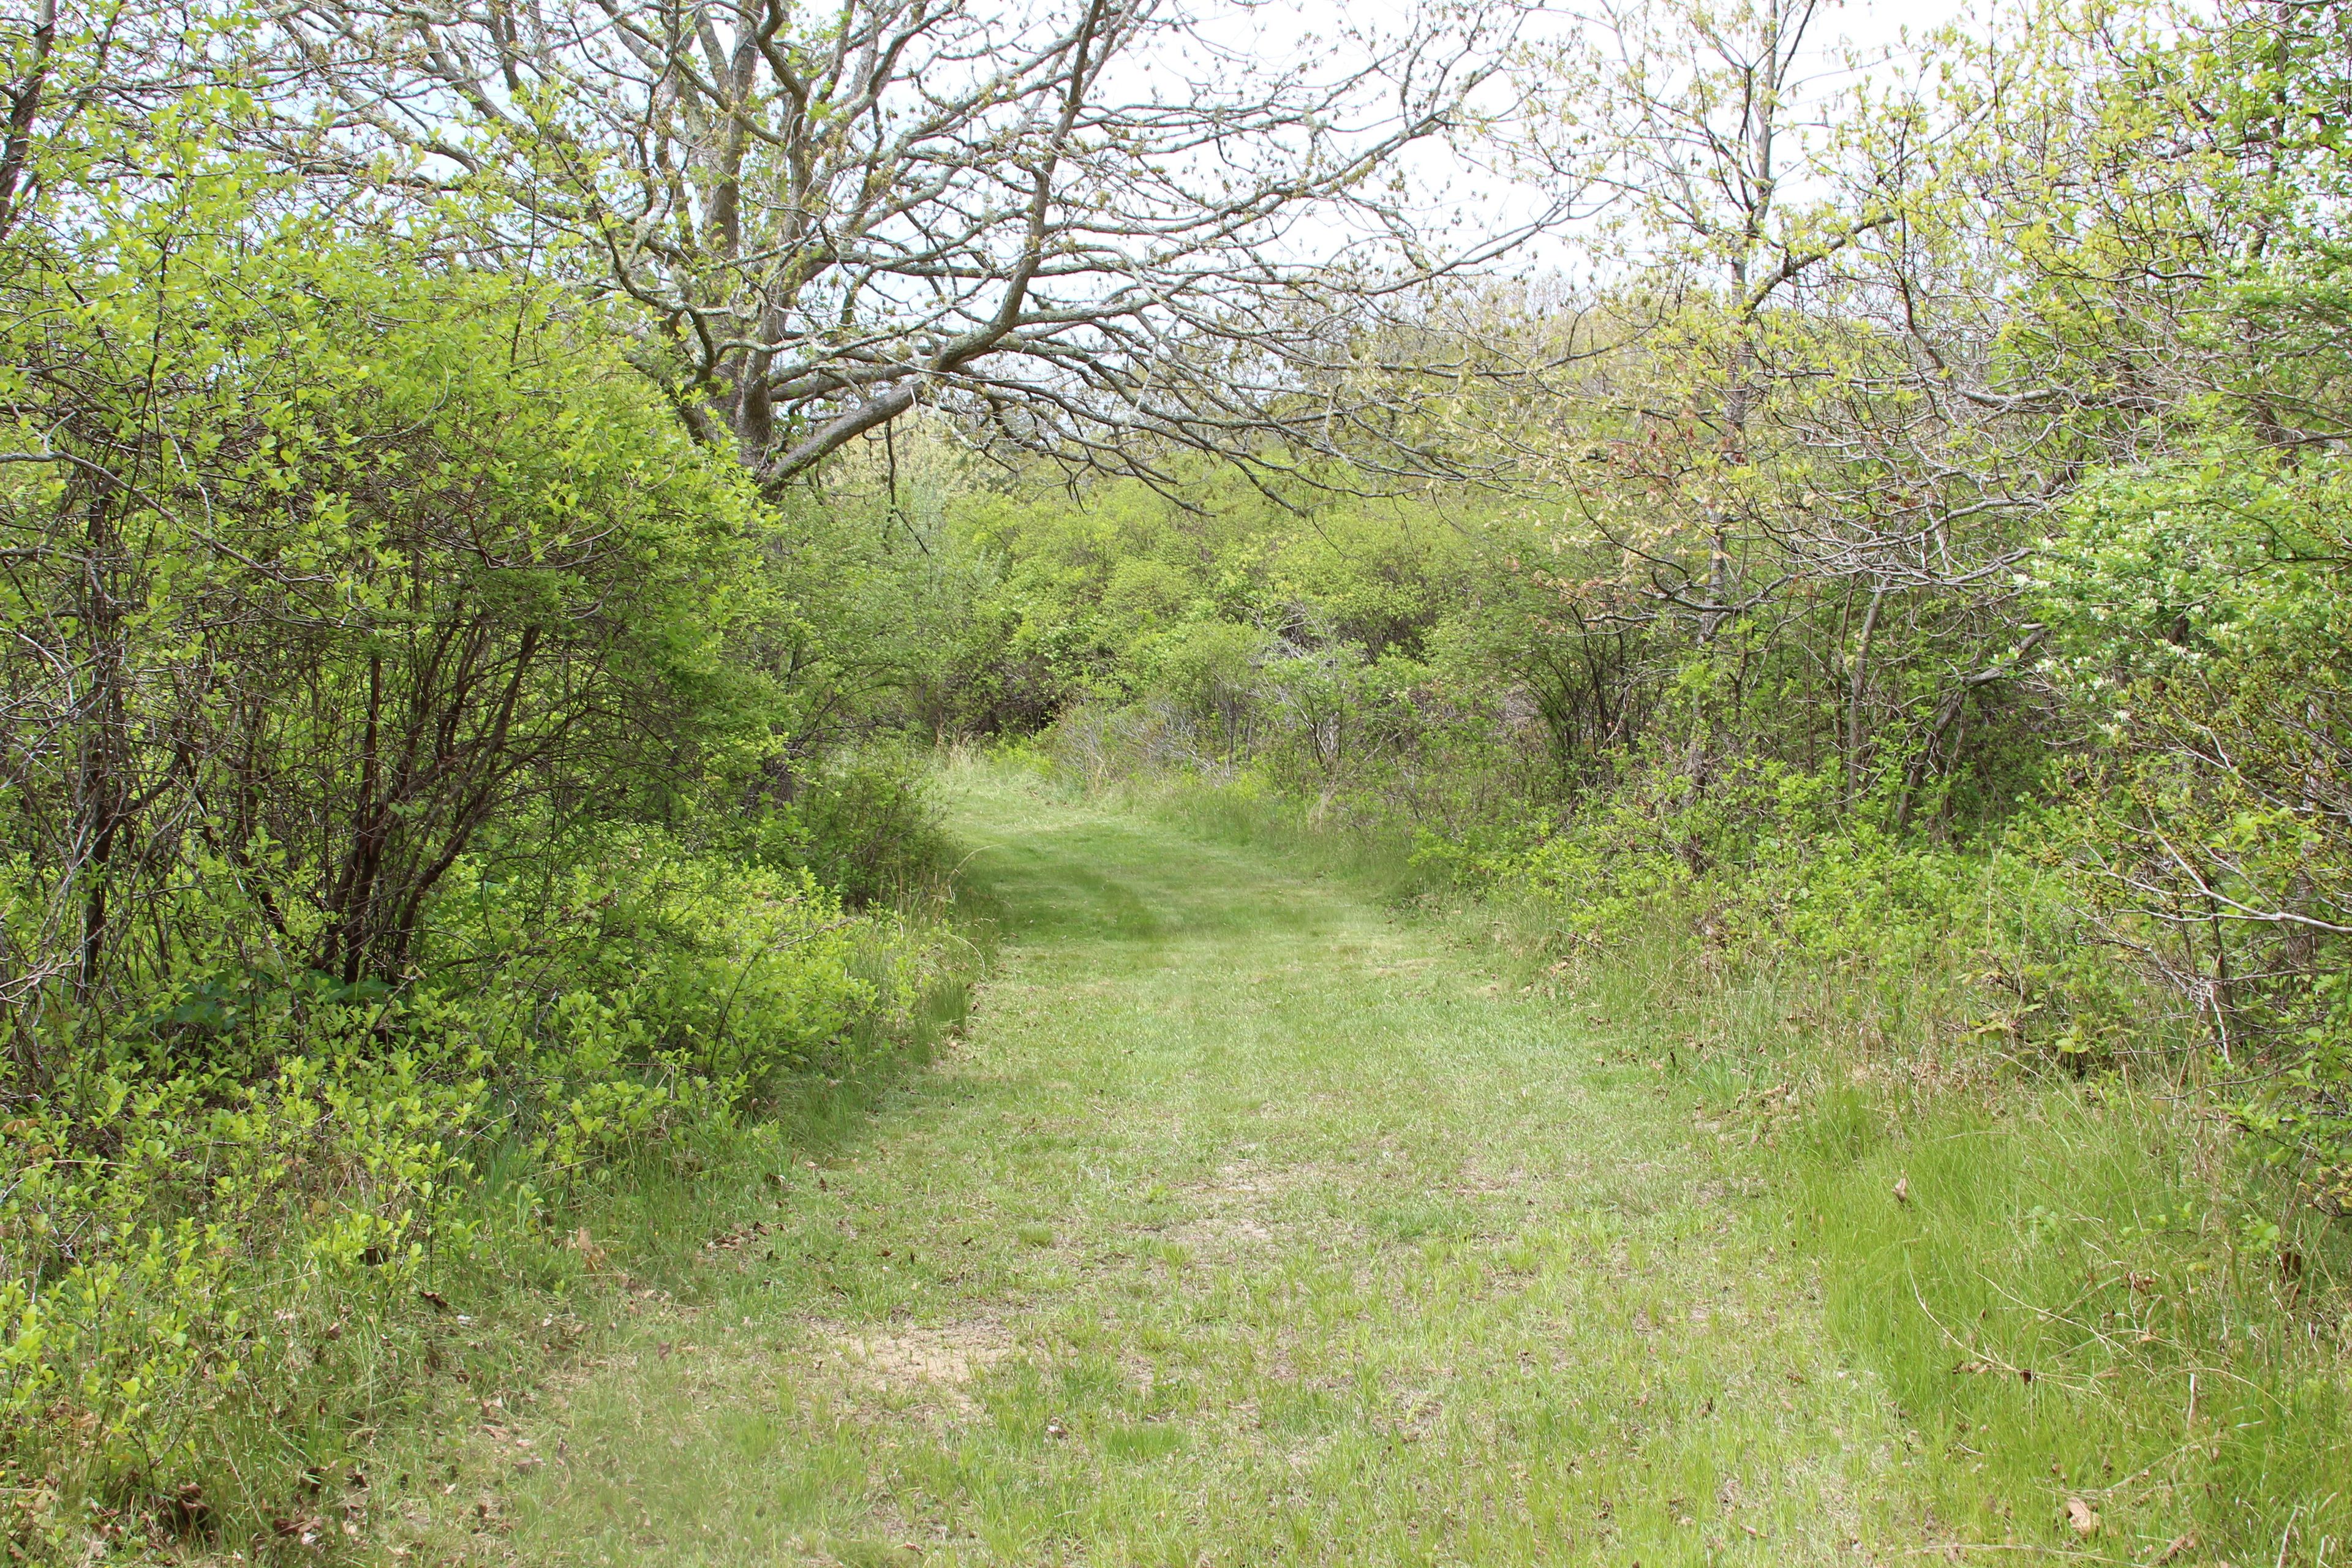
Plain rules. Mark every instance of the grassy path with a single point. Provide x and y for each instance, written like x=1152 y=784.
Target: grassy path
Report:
x=1246 y=1227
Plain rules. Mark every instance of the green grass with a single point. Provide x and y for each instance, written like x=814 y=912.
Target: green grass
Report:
x=1251 y=1223
x=2086 y=1290
x=1247 y=1224
x=2065 y=1310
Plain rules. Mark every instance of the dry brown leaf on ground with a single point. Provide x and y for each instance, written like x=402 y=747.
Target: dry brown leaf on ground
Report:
x=590 y=1255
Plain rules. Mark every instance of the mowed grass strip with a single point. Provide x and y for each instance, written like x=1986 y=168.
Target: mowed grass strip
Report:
x=1246 y=1225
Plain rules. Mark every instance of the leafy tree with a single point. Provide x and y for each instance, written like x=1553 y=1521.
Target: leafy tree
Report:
x=315 y=568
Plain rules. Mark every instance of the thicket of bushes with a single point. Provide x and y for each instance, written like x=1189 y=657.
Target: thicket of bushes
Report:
x=432 y=794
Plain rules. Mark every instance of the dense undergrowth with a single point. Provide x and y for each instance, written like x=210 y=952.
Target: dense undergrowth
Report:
x=280 y=1218
x=2075 y=1272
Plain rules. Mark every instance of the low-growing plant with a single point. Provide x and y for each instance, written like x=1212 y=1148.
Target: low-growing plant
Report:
x=863 y=823
x=229 y=1242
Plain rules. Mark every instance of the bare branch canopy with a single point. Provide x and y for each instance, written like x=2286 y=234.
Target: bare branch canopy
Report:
x=1074 y=223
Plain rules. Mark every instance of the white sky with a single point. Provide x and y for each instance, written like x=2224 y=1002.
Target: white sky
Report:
x=1276 y=34
x=1870 y=22
x=1867 y=26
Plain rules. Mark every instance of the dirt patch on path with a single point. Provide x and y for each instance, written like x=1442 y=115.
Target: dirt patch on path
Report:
x=927 y=1362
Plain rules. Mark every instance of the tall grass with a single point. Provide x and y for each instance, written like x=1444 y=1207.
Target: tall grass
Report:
x=2077 y=1289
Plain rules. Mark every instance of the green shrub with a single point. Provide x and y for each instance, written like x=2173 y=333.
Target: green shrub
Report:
x=2200 y=613
x=863 y=824
x=180 y=1252
x=228 y=1241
